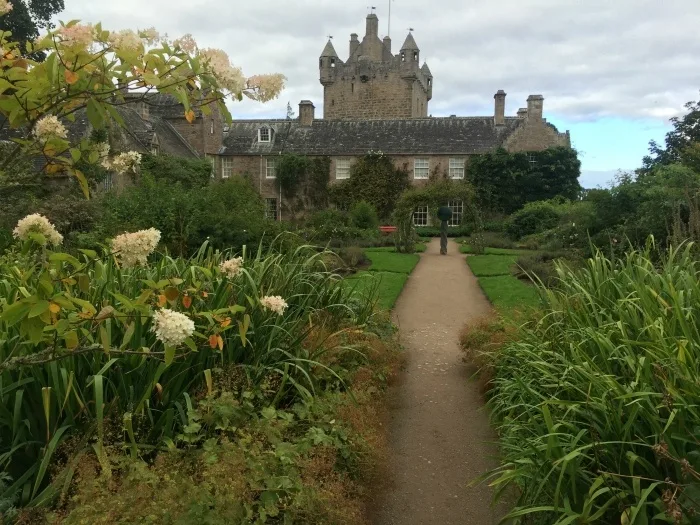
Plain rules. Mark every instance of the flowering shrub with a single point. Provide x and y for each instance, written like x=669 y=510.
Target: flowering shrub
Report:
x=274 y=303
x=133 y=249
x=49 y=127
x=37 y=224
x=233 y=267
x=128 y=162
x=172 y=328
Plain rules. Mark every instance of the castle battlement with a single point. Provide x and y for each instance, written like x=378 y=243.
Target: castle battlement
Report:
x=374 y=83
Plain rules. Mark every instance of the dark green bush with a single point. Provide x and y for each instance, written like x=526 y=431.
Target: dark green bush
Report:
x=364 y=216
x=540 y=266
x=434 y=231
x=493 y=240
x=535 y=217
x=329 y=218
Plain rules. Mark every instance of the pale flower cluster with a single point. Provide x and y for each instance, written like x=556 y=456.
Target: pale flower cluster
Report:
x=187 y=44
x=230 y=78
x=5 y=7
x=172 y=328
x=150 y=35
x=78 y=35
x=36 y=223
x=128 y=162
x=265 y=87
x=103 y=151
x=48 y=127
x=233 y=267
x=125 y=40
x=133 y=249
x=274 y=303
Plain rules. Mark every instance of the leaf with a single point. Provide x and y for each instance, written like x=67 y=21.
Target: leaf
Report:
x=105 y=313
x=83 y=182
x=169 y=355
x=71 y=77
x=15 y=312
x=104 y=338
x=220 y=342
x=84 y=283
x=94 y=114
x=39 y=308
x=75 y=154
x=54 y=308
x=128 y=335
x=172 y=293
x=71 y=339
x=186 y=301
x=189 y=115
x=162 y=300
x=213 y=341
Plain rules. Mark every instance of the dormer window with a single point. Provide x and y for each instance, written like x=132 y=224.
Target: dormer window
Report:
x=264 y=135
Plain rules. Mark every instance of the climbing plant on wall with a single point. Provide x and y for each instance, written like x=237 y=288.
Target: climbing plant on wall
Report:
x=433 y=196
x=303 y=181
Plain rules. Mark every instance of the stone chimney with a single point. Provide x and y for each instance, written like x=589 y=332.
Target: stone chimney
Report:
x=499 y=116
x=534 y=107
x=306 y=112
x=387 y=44
x=522 y=113
x=354 y=44
x=372 y=26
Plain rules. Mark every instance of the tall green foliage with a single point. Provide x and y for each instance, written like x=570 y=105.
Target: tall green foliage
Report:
x=681 y=143
x=373 y=179
x=191 y=173
x=505 y=182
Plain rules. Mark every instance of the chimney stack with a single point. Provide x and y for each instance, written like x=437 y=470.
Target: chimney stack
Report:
x=372 y=26
x=499 y=116
x=354 y=44
x=534 y=107
x=522 y=113
x=306 y=112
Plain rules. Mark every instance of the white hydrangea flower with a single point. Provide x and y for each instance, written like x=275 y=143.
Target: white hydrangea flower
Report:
x=233 y=267
x=133 y=249
x=187 y=44
x=103 y=151
x=125 y=40
x=266 y=87
x=127 y=162
x=5 y=7
x=48 y=127
x=230 y=78
x=150 y=35
x=78 y=35
x=274 y=303
x=172 y=328
x=36 y=223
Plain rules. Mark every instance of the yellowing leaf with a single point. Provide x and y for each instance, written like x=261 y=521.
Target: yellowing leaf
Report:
x=213 y=341
x=189 y=115
x=187 y=301
x=71 y=78
x=71 y=339
x=54 y=308
x=172 y=293
x=226 y=322
x=221 y=342
x=162 y=300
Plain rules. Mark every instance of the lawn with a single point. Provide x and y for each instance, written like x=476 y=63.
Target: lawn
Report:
x=390 y=261
x=420 y=248
x=465 y=248
x=509 y=294
x=489 y=265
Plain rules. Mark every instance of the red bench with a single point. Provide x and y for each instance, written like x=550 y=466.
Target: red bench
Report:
x=387 y=229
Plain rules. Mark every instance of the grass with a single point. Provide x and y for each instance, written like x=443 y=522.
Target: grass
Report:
x=420 y=248
x=509 y=294
x=387 y=261
x=465 y=248
x=388 y=284
x=489 y=265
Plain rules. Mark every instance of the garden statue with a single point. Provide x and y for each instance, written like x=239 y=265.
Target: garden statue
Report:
x=444 y=214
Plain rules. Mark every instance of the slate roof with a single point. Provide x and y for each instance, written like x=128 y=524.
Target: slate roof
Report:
x=426 y=136
x=410 y=43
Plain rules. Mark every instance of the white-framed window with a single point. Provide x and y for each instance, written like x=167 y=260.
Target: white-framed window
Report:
x=226 y=167
x=271 y=209
x=271 y=168
x=212 y=160
x=420 y=216
x=456 y=168
x=421 y=169
x=264 y=135
x=457 y=208
x=342 y=169
x=532 y=160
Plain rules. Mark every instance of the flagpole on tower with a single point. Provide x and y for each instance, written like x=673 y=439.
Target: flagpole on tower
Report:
x=389 y=30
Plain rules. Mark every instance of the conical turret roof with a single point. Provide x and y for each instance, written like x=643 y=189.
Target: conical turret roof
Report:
x=329 y=50
x=410 y=43
x=425 y=69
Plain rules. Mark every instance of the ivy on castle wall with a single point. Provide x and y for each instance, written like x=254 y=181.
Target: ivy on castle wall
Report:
x=505 y=182
x=373 y=179
x=303 y=181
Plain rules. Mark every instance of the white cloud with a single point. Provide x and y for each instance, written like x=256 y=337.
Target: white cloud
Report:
x=589 y=58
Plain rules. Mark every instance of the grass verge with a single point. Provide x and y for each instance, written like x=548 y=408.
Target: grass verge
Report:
x=489 y=265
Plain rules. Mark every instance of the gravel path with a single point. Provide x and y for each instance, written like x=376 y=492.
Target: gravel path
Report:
x=439 y=433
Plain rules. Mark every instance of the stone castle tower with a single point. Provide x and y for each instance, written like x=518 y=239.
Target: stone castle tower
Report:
x=374 y=83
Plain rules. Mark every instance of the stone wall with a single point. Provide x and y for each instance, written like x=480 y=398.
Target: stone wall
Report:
x=204 y=135
x=536 y=135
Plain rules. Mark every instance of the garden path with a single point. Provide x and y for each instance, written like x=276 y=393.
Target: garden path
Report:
x=440 y=438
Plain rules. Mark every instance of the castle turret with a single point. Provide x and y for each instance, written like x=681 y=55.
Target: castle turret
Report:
x=428 y=78
x=410 y=55
x=328 y=64
x=354 y=44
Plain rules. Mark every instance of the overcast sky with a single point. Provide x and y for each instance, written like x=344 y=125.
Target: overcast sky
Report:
x=611 y=71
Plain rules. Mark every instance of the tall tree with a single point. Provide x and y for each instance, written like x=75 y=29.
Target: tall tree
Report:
x=28 y=17
x=681 y=144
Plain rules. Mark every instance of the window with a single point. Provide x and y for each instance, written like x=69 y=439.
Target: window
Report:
x=264 y=135
x=421 y=169
x=430 y=82
x=456 y=168
x=108 y=182
x=403 y=56
x=457 y=208
x=271 y=168
x=271 y=209
x=415 y=56
x=332 y=62
x=342 y=169
x=211 y=131
x=531 y=159
x=420 y=216
x=226 y=167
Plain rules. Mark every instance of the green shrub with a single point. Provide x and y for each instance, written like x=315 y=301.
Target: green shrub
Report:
x=454 y=231
x=364 y=216
x=494 y=240
x=535 y=217
x=330 y=218
x=540 y=267
x=597 y=402
x=190 y=173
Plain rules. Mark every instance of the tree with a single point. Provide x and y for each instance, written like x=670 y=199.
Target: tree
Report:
x=28 y=17
x=681 y=143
